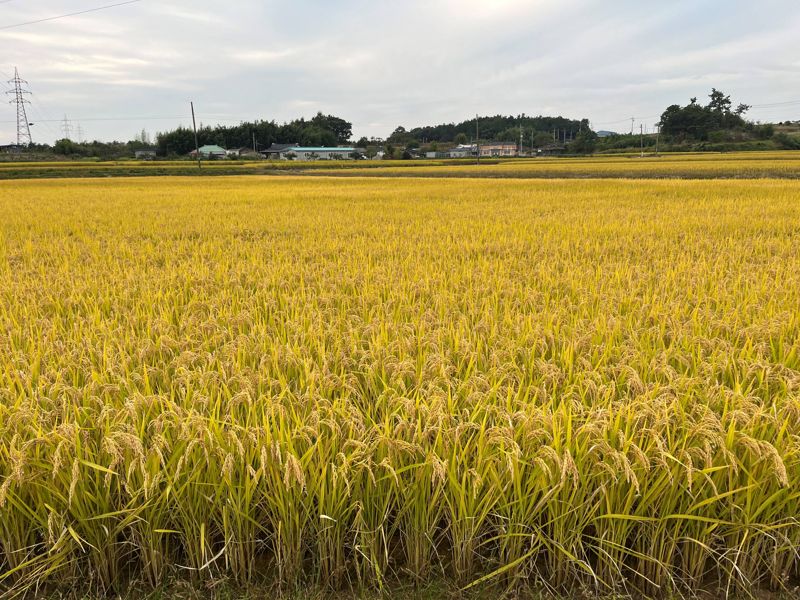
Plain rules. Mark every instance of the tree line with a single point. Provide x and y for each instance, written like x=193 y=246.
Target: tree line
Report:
x=498 y=128
x=321 y=130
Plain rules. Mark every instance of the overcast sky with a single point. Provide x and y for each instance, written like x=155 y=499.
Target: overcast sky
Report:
x=380 y=64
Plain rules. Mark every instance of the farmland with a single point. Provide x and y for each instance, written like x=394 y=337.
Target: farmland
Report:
x=736 y=165
x=355 y=382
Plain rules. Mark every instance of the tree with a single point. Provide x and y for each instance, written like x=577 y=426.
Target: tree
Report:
x=508 y=135
x=719 y=101
x=66 y=147
x=461 y=138
x=314 y=135
x=584 y=143
x=342 y=130
x=542 y=139
x=697 y=122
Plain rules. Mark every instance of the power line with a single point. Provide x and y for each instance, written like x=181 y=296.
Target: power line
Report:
x=35 y=104
x=776 y=104
x=73 y=14
x=142 y=118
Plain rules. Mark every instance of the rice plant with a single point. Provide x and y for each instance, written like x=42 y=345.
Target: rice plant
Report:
x=310 y=381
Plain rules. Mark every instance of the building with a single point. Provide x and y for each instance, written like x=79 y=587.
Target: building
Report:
x=551 y=150
x=437 y=154
x=317 y=153
x=145 y=154
x=499 y=149
x=602 y=133
x=210 y=151
x=463 y=151
x=12 y=148
x=244 y=152
x=274 y=151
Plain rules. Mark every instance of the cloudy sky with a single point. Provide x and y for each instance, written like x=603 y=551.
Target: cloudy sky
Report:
x=384 y=63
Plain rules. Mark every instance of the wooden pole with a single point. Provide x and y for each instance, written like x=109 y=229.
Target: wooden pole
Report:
x=196 y=145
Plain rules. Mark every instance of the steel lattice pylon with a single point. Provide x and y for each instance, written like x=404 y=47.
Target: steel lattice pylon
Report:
x=23 y=126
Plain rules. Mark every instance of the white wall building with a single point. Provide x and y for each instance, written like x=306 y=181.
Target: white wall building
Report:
x=464 y=151
x=316 y=153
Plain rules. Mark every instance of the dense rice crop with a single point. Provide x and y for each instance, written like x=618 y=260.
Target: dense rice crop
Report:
x=743 y=165
x=329 y=381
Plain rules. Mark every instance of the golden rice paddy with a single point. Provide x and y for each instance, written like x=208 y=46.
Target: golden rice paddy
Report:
x=733 y=165
x=354 y=382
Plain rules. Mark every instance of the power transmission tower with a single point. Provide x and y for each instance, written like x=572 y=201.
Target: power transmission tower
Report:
x=66 y=127
x=79 y=133
x=23 y=127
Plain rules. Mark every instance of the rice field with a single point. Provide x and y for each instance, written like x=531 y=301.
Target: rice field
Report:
x=740 y=165
x=357 y=383
x=733 y=165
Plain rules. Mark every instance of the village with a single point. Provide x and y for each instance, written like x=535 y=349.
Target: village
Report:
x=312 y=153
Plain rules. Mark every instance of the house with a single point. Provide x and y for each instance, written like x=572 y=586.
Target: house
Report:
x=499 y=149
x=551 y=150
x=145 y=154
x=463 y=151
x=210 y=151
x=274 y=151
x=603 y=133
x=316 y=153
x=244 y=152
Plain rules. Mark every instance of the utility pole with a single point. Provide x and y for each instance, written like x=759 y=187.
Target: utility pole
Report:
x=520 y=140
x=632 y=120
x=23 y=127
x=641 y=137
x=658 y=133
x=477 y=139
x=66 y=127
x=196 y=145
x=254 y=142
